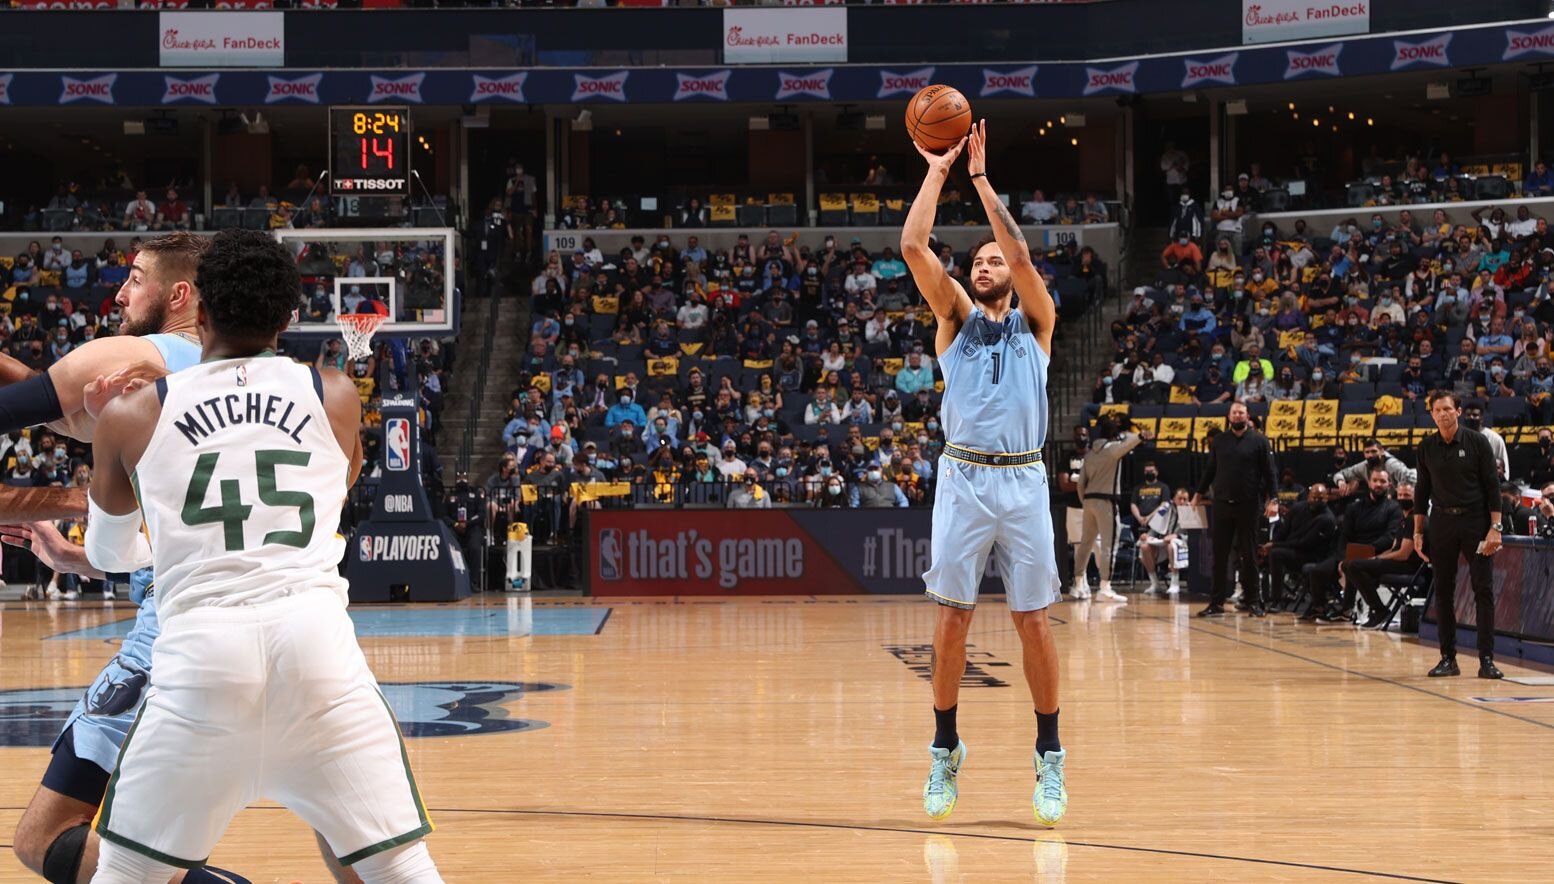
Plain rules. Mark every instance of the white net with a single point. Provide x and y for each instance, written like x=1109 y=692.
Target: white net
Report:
x=357 y=329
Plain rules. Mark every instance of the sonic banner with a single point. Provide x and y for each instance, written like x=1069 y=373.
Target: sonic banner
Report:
x=759 y=552
x=448 y=87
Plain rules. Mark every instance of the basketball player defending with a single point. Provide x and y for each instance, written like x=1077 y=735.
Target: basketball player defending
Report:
x=240 y=467
x=992 y=492
x=158 y=336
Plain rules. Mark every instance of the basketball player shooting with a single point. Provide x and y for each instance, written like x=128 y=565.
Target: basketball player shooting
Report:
x=239 y=467
x=992 y=493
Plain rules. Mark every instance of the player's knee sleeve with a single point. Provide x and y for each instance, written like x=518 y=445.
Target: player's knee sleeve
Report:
x=120 y=865
x=62 y=861
x=411 y=864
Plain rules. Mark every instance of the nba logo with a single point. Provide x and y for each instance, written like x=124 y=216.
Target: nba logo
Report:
x=610 y=554
x=366 y=548
x=396 y=444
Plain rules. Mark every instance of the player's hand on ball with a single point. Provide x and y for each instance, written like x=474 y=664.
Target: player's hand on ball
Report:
x=941 y=162
x=976 y=149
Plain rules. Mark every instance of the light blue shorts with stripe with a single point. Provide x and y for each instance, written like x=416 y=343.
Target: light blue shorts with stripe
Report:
x=1003 y=512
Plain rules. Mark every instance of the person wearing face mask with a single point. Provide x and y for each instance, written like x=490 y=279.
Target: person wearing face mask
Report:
x=1304 y=531
x=876 y=491
x=1368 y=521
x=1363 y=576
x=832 y=493
x=748 y=494
x=1181 y=253
x=625 y=408
x=1241 y=477
x=1150 y=493
x=1228 y=216
x=1473 y=419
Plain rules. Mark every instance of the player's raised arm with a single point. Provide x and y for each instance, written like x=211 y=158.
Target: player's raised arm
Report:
x=949 y=301
x=1035 y=301
x=47 y=397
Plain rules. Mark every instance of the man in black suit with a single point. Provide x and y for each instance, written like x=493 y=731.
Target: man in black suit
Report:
x=1306 y=533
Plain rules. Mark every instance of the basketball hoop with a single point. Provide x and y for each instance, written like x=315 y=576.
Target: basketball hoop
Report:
x=357 y=330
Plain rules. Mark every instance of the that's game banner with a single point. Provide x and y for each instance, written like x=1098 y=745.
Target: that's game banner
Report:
x=1245 y=66
x=759 y=552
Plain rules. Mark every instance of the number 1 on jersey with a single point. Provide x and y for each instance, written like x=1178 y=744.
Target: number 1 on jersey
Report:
x=998 y=359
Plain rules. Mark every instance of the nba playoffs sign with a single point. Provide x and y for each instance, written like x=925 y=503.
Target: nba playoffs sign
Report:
x=759 y=552
x=1268 y=21
x=222 y=39
x=762 y=36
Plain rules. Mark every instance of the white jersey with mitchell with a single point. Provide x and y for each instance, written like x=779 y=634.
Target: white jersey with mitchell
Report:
x=995 y=386
x=241 y=486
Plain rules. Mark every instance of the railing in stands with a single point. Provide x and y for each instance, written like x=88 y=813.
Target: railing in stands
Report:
x=491 y=289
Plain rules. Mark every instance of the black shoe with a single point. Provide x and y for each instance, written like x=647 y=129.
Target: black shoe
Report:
x=1447 y=667
x=1311 y=616
x=1213 y=610
x=1243 y=607
x=1376 y=620
x=1486 y=668
x=1258 y=610
x=1332 y=615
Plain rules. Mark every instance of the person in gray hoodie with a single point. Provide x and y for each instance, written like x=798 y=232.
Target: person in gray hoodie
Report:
x=1355 y=479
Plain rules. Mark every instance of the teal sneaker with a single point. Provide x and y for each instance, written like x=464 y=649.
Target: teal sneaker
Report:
x=940 y=791
x=1051 y=797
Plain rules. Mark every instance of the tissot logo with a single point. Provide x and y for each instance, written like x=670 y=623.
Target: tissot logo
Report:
x=1539 y=42
x=399 y=89
x=5 y=88
x=1211 y=70
x=1323 y=61
x=202 y=89
x=303 y=89
x=1016 y=82
x=713 y=86
x=1119 y=79
x=612 y=87
x=1431 y=52
x=95 y=89
x=499 y=88
x=904 y=83
x=817 y=84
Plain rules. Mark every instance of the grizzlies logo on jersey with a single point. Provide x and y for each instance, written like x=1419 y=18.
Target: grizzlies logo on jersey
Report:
x=424 y=709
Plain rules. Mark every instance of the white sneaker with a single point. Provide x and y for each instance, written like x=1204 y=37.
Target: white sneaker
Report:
x=32 y=593
x=1174 y=588
x=56 y=595
x=108 y=594
x=1081 y=589
x=1106 y=593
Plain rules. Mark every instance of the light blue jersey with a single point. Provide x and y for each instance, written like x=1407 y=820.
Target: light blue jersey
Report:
x=103 y=716
x=995 y=386
x=991 y=496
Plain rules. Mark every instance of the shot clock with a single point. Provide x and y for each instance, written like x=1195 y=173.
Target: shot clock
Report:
x=370 y=147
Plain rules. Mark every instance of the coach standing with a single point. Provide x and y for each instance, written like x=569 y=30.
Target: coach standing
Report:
x=1241 y=475
x=1459 y=485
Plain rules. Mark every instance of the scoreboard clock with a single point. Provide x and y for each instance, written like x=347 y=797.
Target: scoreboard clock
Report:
x=370 y=147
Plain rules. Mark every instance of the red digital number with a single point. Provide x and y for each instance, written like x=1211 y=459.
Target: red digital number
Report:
x=386 y=151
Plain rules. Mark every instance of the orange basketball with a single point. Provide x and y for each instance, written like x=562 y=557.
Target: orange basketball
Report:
x=938 y=117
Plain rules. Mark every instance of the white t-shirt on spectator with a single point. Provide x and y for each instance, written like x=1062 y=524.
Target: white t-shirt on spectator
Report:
x=692 y=315
x=1229 y=225
x=1520 y=229
x=732 y=469
x=857 y=283
x=1039 y=212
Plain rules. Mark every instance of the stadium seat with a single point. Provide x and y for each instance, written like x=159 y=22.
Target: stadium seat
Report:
x=1491 y=187
x=1358 y=390
x=1358 y=194
x=1508 y=411
x=1276 y=200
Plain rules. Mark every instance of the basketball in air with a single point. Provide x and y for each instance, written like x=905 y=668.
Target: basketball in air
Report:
x=938 y=117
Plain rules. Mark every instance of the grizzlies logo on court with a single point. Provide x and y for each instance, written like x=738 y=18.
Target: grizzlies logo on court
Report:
x=424 y=709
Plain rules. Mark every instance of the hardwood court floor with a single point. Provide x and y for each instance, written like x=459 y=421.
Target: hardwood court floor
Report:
x=785 y=740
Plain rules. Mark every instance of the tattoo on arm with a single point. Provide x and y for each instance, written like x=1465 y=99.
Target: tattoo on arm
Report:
x=1010 y=225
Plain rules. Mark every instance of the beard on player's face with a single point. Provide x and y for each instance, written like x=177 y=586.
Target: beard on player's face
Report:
x=148 y=319
x=990 y=290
